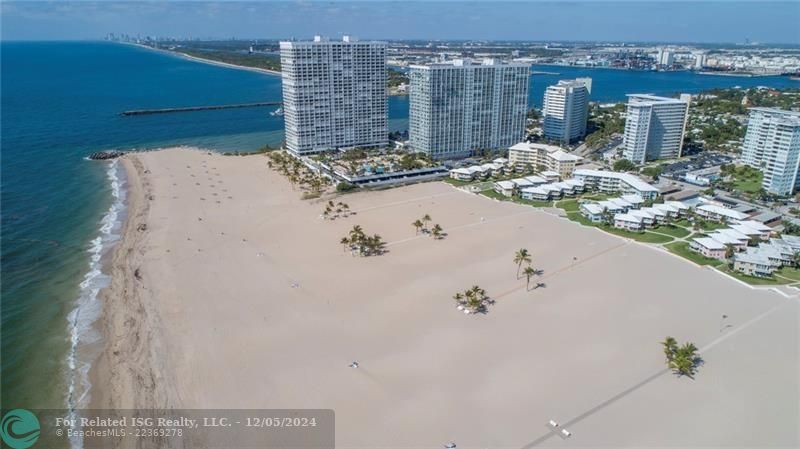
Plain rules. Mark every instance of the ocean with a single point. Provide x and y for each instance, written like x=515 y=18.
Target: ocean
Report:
x=61 y=213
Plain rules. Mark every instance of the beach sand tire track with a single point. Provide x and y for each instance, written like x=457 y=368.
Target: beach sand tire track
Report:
x=131 y=365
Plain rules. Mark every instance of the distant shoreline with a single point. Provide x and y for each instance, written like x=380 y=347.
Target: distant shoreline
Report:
x=208 y=61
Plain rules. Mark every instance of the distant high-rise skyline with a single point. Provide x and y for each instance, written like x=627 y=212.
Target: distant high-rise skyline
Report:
x=644 y=21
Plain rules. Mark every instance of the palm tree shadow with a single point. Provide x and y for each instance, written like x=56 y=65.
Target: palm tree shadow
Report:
x=540 y=285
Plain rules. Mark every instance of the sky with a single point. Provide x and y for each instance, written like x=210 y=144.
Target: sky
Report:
x=589 y=20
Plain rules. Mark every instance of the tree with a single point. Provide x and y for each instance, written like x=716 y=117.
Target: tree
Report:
x=683 y=360
x=608 y=217
x=521 y=256
x=796 y=259
x=344 y=241
x=670 y=346
x=528 y=272
x=624 y=165
x=728 y=251
x=436 y=232
x=425 y=220
x=417 y=226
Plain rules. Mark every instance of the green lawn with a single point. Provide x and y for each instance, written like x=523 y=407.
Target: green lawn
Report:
x=752 y=280
x=577 y=217
x=682 y=249
x=498 y=196
x=456 y=182
x=568 y=205
x=644 y=237
x=749 y=182
x=675 y=231
x=790 y=273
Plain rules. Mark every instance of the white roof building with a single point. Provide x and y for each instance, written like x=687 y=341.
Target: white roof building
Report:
x=522 y=182
x=658 y=213
x=725 y=239
x=713 y=211
x=709 y=243
x=746 y=230
x=536 y=179
x=633 y=198
x=644 y=215
x=757 y=225
x=628 y=218
x=504 y=185
x=611 y=181
x=593 y=208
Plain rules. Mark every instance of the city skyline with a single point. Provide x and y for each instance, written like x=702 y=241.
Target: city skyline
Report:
x=599 y=21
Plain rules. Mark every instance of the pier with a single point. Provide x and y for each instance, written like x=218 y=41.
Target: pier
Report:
x=201 y=108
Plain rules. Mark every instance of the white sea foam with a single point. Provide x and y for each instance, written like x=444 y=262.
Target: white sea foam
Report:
x=83 y=334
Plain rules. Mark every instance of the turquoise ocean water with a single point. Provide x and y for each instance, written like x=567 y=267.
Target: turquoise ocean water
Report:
x=61 y=213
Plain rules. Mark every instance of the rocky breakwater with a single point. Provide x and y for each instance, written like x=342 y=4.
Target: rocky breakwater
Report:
x=105 y=155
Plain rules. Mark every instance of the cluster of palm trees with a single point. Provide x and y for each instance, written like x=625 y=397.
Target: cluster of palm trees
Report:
x=297 y=173
x=362 y=244
x=421 y=225
x=683 y=360
x=473 y=300
x=523 y=256
x=336 y=210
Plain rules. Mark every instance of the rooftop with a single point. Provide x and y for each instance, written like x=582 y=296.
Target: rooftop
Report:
x=632 y=180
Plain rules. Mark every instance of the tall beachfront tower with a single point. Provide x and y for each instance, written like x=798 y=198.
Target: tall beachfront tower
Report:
x=334 y=94
x=772 y=145
x=654 y=127
x=460 y=106
x=566 y=109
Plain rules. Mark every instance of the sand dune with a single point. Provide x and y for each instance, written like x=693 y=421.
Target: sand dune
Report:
x=250 y=302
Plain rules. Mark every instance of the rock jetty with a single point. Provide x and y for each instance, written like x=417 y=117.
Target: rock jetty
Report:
x=105 y=155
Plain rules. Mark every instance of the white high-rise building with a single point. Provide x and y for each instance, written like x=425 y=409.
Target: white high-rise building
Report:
x=654 y=127
x=772 y=145
x=334 y=94
x=458 y=107
x=665 y=57
x=566 y=109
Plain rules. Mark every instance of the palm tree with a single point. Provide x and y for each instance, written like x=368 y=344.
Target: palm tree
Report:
x=683 y=360
x=425 y=219
x=459 y=297
x=344 y=241
x=528 y=272
x=436 y=231
x=521 y=257
x=728 y=251
x=796 y=259
x=670 y=346
x=417 y=226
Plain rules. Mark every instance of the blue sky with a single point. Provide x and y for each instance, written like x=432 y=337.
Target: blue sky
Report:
x=672 y=21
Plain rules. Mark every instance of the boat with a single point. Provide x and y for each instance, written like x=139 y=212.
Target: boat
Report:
x=278 y=111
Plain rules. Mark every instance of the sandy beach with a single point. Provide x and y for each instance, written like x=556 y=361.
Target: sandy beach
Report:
x=230 y=292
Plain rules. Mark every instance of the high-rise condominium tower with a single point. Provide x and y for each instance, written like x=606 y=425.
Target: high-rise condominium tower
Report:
x=654 y=127
x=334 y=94
x=772 y=145
x=566 y=109
x=458 y=107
